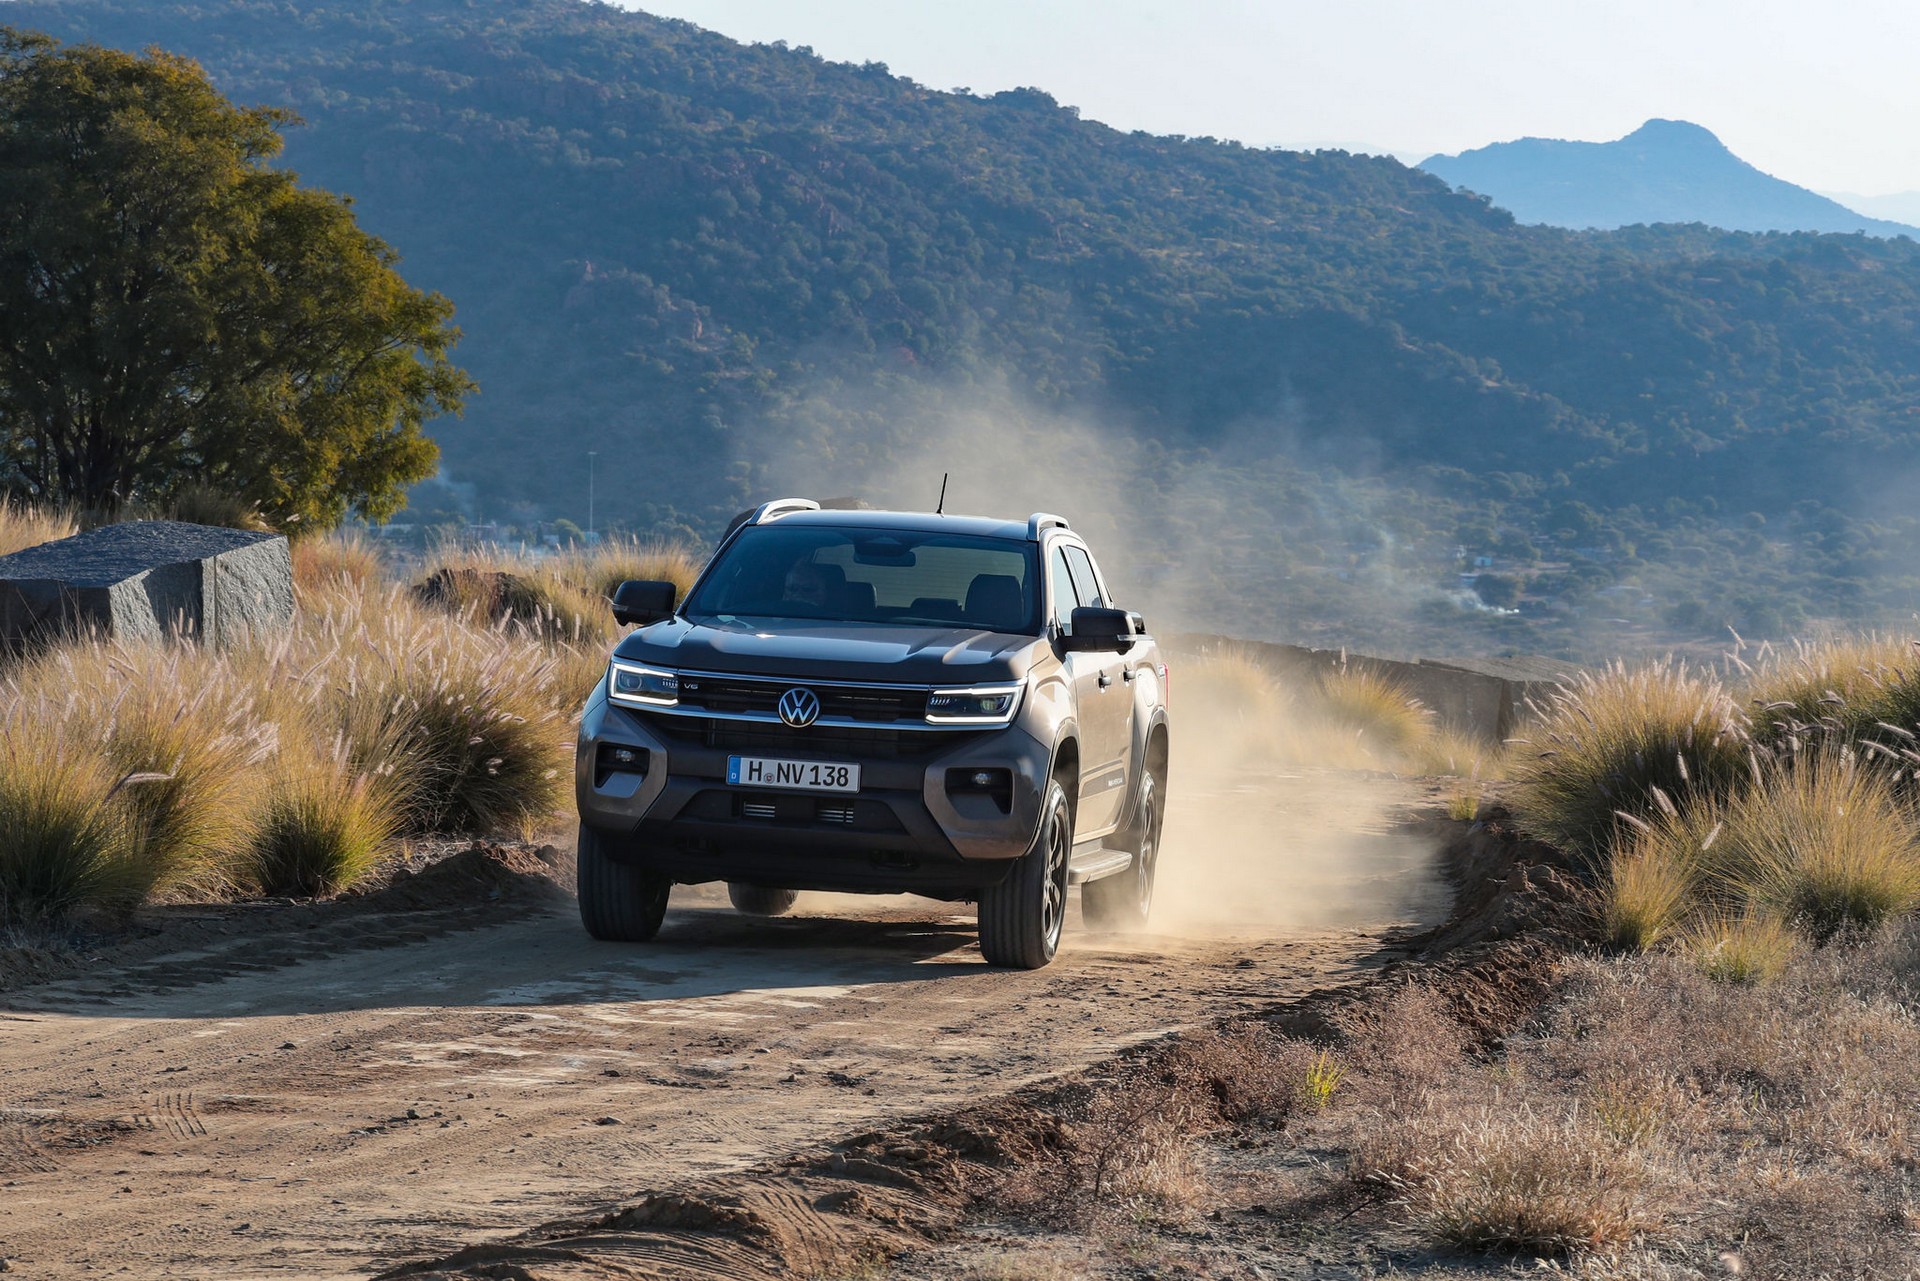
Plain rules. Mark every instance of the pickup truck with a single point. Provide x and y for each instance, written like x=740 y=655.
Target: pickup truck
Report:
x=884 y=702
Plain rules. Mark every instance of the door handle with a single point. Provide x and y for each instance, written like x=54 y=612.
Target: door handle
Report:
x=1106 y=679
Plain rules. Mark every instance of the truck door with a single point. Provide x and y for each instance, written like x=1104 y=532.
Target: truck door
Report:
x=1118 y=706
x=1103 y=703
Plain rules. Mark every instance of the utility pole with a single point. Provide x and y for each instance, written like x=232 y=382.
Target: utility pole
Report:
x=591 y=455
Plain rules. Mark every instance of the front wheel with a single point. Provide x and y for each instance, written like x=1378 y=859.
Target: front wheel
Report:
x=618 y=902
x=1021 y=917
x=759 y=900
x=1123 y=900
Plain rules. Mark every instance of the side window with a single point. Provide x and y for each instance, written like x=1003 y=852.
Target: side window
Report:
x=1085 y=581
x=1061 y=596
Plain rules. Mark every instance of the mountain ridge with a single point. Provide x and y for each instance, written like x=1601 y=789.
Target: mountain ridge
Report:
x=734 y=270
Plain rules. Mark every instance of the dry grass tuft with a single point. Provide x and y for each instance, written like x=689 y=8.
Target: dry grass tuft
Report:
x=209 y=505
x=1751 y=947
x=23 y=525
x=560 y=597
x=1656 y=872
x=1457 y=754
x=1132 y=1141
x=1609 y=742
x=339 y=561
x=1825 y=842
x=597 y=570
x=1379 y=712
x=194 y=744
x=1526 y=1181
x=64 y=843
x=1404 y=1045
x=464 y=722
x=324 y=825
x=1234 y=693
x=1844 y=687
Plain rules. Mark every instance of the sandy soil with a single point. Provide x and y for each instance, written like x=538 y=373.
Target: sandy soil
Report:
x=330 y=1098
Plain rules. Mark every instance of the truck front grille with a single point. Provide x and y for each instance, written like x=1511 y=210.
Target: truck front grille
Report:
x=760 y=696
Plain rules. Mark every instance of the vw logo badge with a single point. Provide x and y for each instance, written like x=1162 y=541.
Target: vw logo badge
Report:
x=799 y=707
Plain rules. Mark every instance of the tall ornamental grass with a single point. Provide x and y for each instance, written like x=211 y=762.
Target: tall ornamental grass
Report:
x=1380 y=713
x=1609 y=742
x=1826 y=841
x=1843 y=689
x=287 y=764
x=323 y=825
x=64 y=842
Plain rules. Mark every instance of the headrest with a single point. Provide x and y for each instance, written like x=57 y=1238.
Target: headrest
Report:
x=995 y=602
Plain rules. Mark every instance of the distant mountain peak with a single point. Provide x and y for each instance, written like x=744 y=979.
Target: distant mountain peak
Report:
x=1664 y=171
x=1674 y=133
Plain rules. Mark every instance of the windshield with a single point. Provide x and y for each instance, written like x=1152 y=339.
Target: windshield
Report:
x=861 y=575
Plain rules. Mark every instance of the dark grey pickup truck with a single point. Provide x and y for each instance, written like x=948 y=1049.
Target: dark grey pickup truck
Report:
x=885 y=702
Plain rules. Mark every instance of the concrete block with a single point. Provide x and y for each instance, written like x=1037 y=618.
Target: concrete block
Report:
x=1487 y=698
x=148 y=579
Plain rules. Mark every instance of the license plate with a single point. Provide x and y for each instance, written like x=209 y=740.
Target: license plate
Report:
x=798 y=776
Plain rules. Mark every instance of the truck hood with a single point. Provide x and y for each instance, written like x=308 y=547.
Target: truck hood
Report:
x=877 y=652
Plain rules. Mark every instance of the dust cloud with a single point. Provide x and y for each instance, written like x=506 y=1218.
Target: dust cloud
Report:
x=1254 y=845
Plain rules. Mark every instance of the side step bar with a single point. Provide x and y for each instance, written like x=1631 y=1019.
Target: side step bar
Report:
x=1090 y=863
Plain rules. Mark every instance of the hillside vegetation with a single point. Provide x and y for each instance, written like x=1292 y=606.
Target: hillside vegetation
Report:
x=732 y=270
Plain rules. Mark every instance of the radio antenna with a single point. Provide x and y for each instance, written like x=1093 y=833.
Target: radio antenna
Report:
x=940 y=507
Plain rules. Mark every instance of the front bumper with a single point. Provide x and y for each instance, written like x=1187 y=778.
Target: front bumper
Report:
x=903 y=831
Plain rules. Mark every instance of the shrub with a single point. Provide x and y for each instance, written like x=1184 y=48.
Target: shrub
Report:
x=1824 y=842
x=324 y=825
x=64 y=842
x=1608 y=742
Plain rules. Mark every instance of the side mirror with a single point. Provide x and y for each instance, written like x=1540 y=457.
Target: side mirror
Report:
x=1099 y=629
x=639 y=603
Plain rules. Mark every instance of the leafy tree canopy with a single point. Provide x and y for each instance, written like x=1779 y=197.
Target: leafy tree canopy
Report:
x=174 y=310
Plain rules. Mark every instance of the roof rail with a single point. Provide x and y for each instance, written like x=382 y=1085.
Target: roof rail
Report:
x=1044 y=520
x=781 y=507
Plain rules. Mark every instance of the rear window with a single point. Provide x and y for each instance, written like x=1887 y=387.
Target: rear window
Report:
x=862 y=575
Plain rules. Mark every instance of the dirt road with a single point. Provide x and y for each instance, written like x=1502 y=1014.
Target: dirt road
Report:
x=325 y=1102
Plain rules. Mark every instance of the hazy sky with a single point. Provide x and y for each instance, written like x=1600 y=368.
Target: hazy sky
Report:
x=1822 y=94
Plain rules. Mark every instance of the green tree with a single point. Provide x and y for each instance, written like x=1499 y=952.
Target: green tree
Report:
x=173 y=310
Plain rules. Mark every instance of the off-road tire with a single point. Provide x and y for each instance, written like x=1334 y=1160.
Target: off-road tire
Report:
x=1124 y=900
x=618 y=902
x=1021 y=917
x=760 y=900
